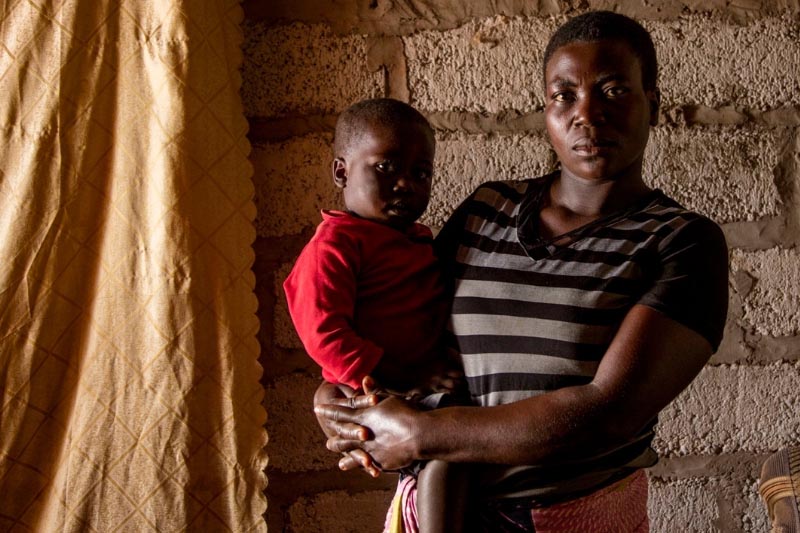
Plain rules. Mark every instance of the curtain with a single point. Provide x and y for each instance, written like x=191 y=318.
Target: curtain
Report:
x=129 y=382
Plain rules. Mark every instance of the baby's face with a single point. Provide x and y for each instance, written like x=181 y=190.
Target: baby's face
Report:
x=386 y=176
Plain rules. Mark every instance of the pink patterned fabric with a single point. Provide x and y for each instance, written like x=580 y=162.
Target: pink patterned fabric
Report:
x=618 y=508
x=621 y=507
x=405 y=499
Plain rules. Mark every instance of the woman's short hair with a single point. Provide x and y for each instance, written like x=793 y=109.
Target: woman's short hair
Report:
x=607 y=25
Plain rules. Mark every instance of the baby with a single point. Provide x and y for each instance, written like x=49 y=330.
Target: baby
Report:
x=366 y=294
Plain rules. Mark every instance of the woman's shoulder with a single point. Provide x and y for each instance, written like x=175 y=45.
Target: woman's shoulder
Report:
x=665 y=206
x=671 y=219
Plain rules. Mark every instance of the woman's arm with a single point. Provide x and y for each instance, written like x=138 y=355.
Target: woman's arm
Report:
x=650 y=361
x=660 y=346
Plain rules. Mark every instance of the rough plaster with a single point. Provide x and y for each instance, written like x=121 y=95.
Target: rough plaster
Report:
x=754 y=512
x=466 y=69
x=285 y=334
x=739 y=464
x=397 y=17
x=293 y=428
x=695 y=513
x=772 y=296
x=387 y=53
x=733 y=408
x=505 y=122
x=740 y=506
x=339 y=512
x=734 y=347
x=768 y=349
x=293 y=182
x=704 y=505
x=753 y=65
x=400 y=17
x=725 y=174
x=299 y=69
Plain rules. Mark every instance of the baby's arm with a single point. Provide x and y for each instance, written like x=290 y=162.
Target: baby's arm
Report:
x=321 y=292
x=441 y=372
x=442 y=492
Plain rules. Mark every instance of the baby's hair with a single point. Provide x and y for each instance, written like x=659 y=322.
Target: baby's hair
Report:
x=607 y=25
x=387 y=112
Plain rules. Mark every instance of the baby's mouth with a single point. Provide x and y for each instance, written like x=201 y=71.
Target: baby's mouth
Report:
x=400 y=208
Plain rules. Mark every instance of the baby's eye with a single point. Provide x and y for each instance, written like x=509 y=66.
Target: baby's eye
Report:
x=385 y=166
x=424 y=174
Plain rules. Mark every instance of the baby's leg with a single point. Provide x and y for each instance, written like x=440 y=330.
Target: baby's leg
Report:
x=441 y=497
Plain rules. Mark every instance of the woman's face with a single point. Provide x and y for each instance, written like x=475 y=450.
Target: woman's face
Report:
x=597 y=112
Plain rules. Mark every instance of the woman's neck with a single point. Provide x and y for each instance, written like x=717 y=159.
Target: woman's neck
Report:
x=595 y=198
x=574 y=202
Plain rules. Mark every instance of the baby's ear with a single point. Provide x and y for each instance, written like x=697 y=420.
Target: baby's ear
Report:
x=339 y=170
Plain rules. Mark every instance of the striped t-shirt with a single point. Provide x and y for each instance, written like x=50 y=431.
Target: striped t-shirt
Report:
x=530 y=316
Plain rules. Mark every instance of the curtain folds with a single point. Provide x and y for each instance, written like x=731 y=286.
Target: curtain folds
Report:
x=129 y=382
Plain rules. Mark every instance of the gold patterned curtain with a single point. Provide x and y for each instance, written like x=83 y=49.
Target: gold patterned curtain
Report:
x=129 y=383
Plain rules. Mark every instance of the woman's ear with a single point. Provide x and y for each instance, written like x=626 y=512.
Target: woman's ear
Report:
x=339 y=170
x=654 y=96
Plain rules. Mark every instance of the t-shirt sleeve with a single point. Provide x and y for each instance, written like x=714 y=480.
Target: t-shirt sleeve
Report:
x=691 y=284
x=320 y=293
x=449 y=238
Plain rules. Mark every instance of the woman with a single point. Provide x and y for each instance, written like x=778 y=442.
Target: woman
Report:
x=584 y=302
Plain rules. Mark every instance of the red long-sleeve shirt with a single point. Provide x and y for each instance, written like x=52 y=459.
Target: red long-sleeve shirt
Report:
x=361 y=290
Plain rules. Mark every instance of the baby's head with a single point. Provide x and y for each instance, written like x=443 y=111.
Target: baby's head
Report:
x=383 y=161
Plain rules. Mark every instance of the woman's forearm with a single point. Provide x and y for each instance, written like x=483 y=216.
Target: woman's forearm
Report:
x=560 y=424
x=651 y=360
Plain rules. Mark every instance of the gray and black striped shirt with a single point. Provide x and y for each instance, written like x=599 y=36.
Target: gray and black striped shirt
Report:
x=530 y=316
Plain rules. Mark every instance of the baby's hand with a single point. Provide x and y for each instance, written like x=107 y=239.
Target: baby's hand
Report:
x=438 y=379
x=447 y=380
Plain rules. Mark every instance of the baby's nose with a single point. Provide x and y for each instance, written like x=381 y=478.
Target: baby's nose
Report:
x=402 y=183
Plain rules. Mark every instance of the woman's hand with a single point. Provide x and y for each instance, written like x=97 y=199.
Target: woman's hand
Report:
x=341 y=395
x=392 y=425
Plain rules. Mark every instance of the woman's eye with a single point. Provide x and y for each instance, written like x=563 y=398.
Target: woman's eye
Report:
x=561 y=97
x=424 y=175
x=616 y=91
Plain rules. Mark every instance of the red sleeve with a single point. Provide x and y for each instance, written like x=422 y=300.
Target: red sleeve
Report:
x=320 y=292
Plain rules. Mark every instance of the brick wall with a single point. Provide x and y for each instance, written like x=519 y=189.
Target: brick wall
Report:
x=727 y=145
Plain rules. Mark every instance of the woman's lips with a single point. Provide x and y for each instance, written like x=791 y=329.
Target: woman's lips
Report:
x=593 y=146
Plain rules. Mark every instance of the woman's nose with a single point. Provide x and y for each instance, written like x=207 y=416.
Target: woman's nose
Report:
x=589 y=110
